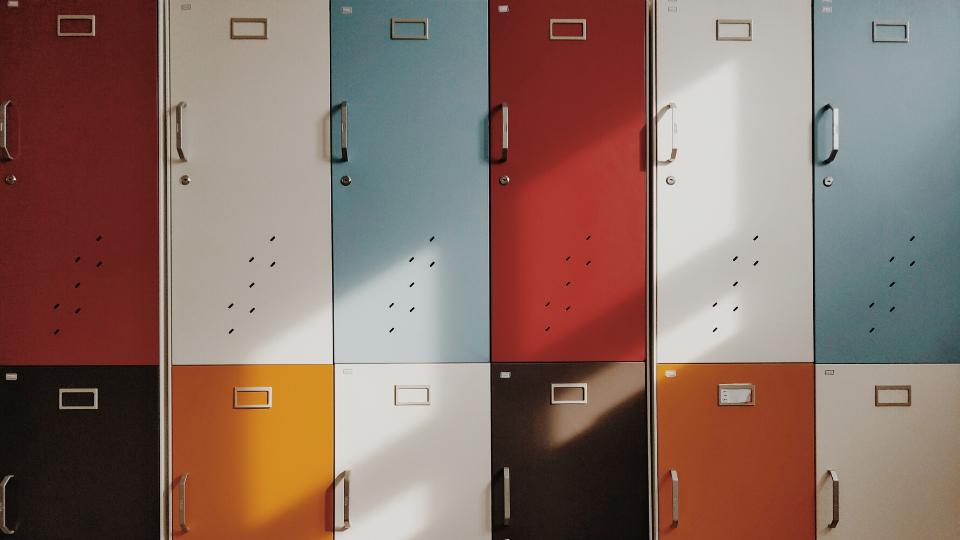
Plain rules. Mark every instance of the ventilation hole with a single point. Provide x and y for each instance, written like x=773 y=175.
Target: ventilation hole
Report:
x=77 y=260
x=411 y=284
x=99 y=237
x=252 y=309
x=230 y=306
x=589 y=237
x=714 y=329
x=77 y=311
x=391 y=305
x=251 y=259
x=871 y=330
x=411 y=259
x=57 y=331
x=56 y=306
x=392 y=329
x=568 y=258
x=715 y=304
x=231 y=331
x=736 y=308
x=411 y=309
x=433 y=263
x=588 y=263
x=99 y=263
x=548 y=304
x=893 y=308
x=735 y=283
x=912 y=263
x=892 y=284
x=273 y=263
x=755 y=262
x=911 y=238
x=547 y=330
x=251 y=285
x=737 y=257
x=77 y=285
x=272 y=238
x=891 y=259
x=432 y=237
x=568 y=308
x=755 y=238
x=871 y=304
x=567 y=285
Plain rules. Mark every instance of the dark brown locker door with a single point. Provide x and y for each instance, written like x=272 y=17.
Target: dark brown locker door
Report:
x=572 y=439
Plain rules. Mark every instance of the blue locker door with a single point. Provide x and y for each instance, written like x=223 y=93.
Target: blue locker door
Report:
x=887 y=206
x=410 y=195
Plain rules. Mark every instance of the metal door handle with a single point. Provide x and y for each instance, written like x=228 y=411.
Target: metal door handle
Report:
x=346 y=482
x=673 y=130
x=3 y=503
x=835 y=112
x=180 y=128
x=506 y=496
x=183 y=502
x=343 y=129
x=676 y=498
x=506 y=132
x=836 y=499
x=4 y=148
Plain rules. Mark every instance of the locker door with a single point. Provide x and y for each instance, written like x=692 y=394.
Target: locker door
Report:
x=734 y=228
x=410 y=200
x=568 y=180
x=570 y=450
x=252 y=452
x=412 y=452
x=887 y=259
x=889 y=433
x=739 y=438
x=250 y=193
x=80 y=446
x=79 y=230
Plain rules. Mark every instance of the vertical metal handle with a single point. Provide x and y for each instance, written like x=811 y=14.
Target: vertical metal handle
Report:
x=4 y=132
x=3 y=504
x=183 y=502
x=506 y=496
x=506 y=132
x=835 y=112
x=180 y=128
x=346 y=478
x=343 y=129
x=672 y=107
x=676 y=498
x=836 y=499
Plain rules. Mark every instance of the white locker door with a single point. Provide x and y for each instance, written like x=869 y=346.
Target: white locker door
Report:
x=891 y=433
x=250 y=196
x=415 y=439
x=734 y=256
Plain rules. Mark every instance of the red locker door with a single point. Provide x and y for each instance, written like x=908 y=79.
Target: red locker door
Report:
x=79 y=236
x=568 y=192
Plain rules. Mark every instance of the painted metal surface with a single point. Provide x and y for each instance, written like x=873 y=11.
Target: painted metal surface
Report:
x=887 y=260
x=576 y=470
x=79 y=230
x=253 y=472
x=896 y=465
x=744 y=471
x=251 y=278
x=416 y=470
x=410 y=226
x=568 y=231
x=80 y=472
x=734 y=235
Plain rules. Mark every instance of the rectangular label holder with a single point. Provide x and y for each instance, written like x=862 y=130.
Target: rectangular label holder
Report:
x=740 y=394
x=94 y=391
x=730 y=24
x=555 y=401
x=887 y=390
x=426 y=28
x=239 y=27
x=411 y=394
x=267 y=389
x=882 y=24
x=91 y=18
x=581 y=37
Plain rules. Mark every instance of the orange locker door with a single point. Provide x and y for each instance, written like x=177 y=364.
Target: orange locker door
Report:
x=740 y=440
x=252 y=452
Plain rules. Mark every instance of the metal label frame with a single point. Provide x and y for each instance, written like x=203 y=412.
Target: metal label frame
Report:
x=879 y=387
x=94 y=391
x=748 y=22
x=738 y=386
x=398 y=387
x=267 y=389
x=426 y=28
x=554 y=401
x=91 y=18
x=582 y=22
x=904 y=24
x=248 y=20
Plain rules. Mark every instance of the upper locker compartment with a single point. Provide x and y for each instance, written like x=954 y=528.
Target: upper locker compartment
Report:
x=79 y=229
x=734 y=267
x=887 y=182
x=410 y=199
x=250 y=191
x=568 y=180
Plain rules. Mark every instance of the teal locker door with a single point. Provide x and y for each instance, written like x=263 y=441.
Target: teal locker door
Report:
x=410 y=197
x=887 y=181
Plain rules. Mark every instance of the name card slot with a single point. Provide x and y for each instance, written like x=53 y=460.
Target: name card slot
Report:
x=76 y=25
x=407 y=25
x=892 y=396
x=734 y=30
x=564 y=25
x=253 y=397
x=891 y=31
x=568 y=394
x=411 y=394
x=79 y=398
x=246 y=28
x=739 y=394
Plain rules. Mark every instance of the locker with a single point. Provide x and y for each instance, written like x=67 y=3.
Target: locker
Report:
x=78 y=159
x=735 y=451
x=249 y=186
x=410 y=201
x=568 y=181
x=412 y=451
x=79 y=452
x=887 y=451
x=887 y=182
x=252 y=451
x=734 y=267
x=569 y=451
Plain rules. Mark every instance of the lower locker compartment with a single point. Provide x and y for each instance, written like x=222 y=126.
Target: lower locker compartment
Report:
x=735 y=451
x=252 y=452
x=79 y=452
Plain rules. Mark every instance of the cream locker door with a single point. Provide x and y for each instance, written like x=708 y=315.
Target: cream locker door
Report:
x=250 y=194
x=412 y=441
x=891 y=433
x=734 y=256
